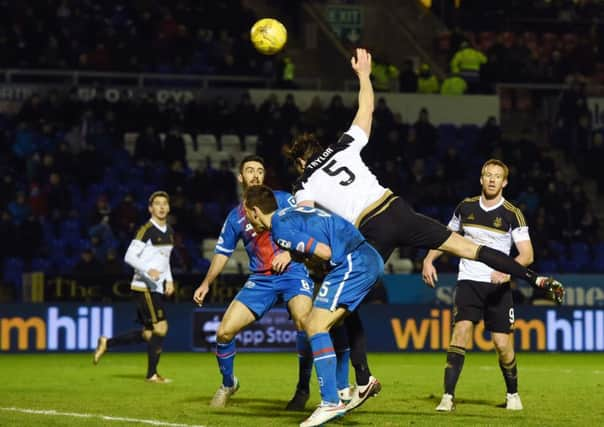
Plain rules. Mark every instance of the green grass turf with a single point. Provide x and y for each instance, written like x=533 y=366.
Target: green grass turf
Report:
x=556 y=390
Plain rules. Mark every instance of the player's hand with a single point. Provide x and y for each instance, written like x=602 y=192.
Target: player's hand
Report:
x=154 y=274
x=169 y=289
x=553 y=288
x=498 y=278
x=429 y=274
x=361 y=64
x=200 y=293
x=281 y=261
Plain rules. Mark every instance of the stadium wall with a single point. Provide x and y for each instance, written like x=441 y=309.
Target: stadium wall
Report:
x=69 y=327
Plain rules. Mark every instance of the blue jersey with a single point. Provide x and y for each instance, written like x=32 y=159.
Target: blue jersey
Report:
x=259 y=246
x=301 y=228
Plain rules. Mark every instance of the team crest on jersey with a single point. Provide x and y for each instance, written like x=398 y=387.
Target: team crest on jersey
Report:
x=471 y=217
x=300 y=247
x=497 y=222
x=284 y=243
x=250 y=227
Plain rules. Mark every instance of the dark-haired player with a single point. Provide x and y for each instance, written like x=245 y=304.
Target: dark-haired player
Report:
x=149 y=255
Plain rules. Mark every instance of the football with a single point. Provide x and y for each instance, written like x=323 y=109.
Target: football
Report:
x=268 y=36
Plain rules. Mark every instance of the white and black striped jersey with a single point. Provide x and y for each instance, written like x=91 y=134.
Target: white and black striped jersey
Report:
x=339 y=180
x=496 y=227
x=150 y=249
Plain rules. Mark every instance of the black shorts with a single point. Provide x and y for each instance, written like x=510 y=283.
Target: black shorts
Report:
x=399 y=225
x=150 y=308
x=475 y=301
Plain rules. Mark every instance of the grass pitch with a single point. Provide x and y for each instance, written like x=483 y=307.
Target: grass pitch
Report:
x=556 y=389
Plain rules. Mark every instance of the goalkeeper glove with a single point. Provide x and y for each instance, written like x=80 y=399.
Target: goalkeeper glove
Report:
x=553 y=288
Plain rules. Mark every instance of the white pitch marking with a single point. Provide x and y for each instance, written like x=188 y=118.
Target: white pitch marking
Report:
x=52 y=412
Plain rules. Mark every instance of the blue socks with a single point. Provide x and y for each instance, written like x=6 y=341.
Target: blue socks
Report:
x=325 y=363
x=225 y=355
x=304 y=361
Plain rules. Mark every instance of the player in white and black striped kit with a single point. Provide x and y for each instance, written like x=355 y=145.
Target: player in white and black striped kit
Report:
x=149 y=255
x=337 y=179
x=481 y=291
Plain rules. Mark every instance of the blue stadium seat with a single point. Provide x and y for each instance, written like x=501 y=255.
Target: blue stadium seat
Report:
x=558 y=248
x=548 y=266
x=65 y=265
x=579 y=248
x=12 y=271
x=41 y=264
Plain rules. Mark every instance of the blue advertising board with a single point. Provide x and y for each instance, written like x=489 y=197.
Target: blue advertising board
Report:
x=402 y=328
x=68 y=327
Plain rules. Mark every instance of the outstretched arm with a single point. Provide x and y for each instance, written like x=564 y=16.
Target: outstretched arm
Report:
x=362 y=66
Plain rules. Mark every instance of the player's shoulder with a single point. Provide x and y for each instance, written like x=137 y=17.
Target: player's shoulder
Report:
x=284 y=198
x=143 y=231
x=513 y=212
x=469 y=202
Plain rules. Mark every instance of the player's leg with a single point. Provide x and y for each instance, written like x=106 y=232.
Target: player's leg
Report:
x=385 y=232
x=253 y=300
x=299 y=307
x=465 y=248
x=339 y=337
x=367 y=385
x=154 y=349
x=133 y=336
x=235 y=319
x=153 y=314
x=345 y=286
x=499 y=319
x=469 y=310
x=318 y=325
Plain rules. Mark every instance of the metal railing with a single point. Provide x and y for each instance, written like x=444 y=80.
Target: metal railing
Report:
x=142 y=80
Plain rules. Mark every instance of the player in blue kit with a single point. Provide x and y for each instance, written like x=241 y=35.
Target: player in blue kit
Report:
x=273 y=275
x=354 y=267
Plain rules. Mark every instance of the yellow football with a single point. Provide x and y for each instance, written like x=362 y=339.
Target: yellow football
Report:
x=268 y=36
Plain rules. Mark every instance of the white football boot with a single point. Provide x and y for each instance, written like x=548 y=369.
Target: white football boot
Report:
x=513 y=402
x=447 y=403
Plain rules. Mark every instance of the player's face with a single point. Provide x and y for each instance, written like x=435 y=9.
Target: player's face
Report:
x=253 y=217
x=493 y=181
x=251 y=174
x=160 y=208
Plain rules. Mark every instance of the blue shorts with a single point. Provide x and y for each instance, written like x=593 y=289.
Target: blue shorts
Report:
x=260 y=292
x=348 y=283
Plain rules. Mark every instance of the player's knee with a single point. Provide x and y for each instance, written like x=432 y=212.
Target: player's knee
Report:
x=160 y=328
x=224 y=335
x=504 y=348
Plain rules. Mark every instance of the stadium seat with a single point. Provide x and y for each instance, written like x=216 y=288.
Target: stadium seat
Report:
x=230 y=143
x=130 y=141
x=398 y=265
x=41 y=264
x=251 y=143
x=548 y=266
x=12 y=271
x=207 y=247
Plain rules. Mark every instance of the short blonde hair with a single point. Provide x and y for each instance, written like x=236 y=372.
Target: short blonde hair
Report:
x=506 y=170
x=157 y=194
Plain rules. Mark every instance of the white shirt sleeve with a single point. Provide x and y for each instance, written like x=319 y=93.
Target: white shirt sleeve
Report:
x=133 y=256
x=520 y=234
x=454 y=223
x=359 y=137
x=304 y=194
